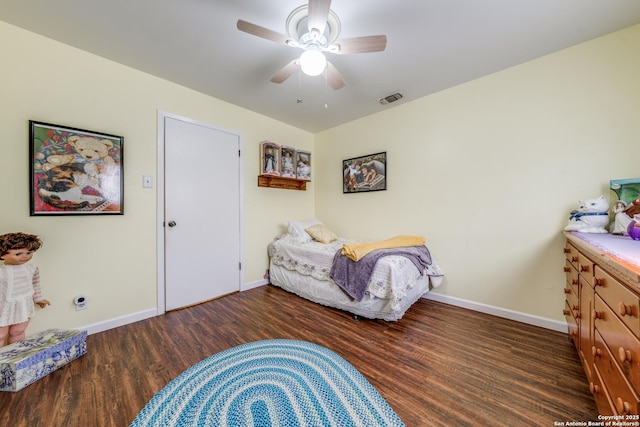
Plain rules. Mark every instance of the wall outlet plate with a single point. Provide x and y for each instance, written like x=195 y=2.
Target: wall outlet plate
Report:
x=81 y=302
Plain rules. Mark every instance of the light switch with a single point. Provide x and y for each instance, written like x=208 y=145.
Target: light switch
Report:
x=147 y=181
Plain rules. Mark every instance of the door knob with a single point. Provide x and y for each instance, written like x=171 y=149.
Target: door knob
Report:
x=171 y=224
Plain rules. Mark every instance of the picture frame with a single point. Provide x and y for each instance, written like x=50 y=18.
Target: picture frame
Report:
x=626 y=190
x=75 y=171
x=365 y=173
x=303 y=165
x=287 y=162
x=269 y=158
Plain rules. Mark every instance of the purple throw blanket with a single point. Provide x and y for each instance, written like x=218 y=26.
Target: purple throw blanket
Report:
x=354 y=276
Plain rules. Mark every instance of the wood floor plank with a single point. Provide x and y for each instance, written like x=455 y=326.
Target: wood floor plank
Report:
x=438 y=366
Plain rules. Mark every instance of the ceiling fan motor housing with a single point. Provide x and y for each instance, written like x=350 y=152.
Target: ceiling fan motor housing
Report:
x=298 y=27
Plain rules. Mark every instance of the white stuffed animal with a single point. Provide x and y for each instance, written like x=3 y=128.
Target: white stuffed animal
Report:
x=591 y=217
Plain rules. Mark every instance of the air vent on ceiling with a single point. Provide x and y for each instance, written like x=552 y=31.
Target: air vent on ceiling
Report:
x=391 y=98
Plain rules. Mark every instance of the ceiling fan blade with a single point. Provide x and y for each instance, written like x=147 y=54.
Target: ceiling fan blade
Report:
x=263 y=32
x=318 y=14
x=334 y=78
x=286 y=72
x=362 y=44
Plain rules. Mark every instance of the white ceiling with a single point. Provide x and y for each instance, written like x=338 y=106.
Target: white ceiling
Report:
x=432 y=45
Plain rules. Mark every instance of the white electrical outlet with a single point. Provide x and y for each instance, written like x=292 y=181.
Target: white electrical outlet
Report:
x=81 y=302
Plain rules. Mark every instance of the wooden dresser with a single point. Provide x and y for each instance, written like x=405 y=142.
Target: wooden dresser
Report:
x=602 y=309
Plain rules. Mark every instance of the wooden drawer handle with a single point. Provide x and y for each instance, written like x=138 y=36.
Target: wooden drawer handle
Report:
x=567 y=290
x=566 y=269
x=594 y=388
x=596 y=315
x=596 y=351
x=623 y=310
x=584 y=268
x=566 y=312
x=574 y=281
x=624 y=355
x=576 y=310
x=598 y=282
x=622 y=407
x=574 y=259
x=567 y=250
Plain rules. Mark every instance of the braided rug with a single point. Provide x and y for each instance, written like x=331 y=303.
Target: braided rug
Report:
x=280 y=382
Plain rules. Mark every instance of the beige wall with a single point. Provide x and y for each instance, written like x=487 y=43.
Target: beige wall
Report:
x=110 y=257
x=489 y=170
x=486 y=171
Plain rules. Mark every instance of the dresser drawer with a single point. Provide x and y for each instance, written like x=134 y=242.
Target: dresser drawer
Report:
x=572 y=324
x=600 y=395
x=623 y=345
x=624 y=399
x=573 y=303
x=621 y=300
x=585 y=324
x=571 y=253
x=572 y=275
x=585 y=268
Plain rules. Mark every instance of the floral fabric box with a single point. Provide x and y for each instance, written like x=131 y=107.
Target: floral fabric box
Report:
x=26 y=361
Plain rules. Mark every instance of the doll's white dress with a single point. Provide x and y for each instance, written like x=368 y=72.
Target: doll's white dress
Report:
x=19 y=289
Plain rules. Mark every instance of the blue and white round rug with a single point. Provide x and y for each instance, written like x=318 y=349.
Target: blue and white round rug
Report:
x=266 y=383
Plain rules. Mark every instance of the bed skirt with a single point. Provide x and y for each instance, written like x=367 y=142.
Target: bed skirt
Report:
x=329 y=294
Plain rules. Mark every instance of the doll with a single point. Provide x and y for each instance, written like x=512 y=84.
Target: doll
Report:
x=269 y=160
x=287 y=164
x=19 y=285
x=625 y=216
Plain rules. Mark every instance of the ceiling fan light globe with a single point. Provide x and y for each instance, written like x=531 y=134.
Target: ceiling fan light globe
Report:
x=312 y=62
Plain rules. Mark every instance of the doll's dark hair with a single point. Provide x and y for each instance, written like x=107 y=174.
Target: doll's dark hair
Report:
x=12 y=241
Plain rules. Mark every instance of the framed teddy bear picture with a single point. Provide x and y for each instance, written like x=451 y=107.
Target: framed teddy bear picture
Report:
x=75 y=171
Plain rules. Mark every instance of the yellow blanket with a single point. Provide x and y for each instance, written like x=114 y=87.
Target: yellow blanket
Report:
x=355 y=251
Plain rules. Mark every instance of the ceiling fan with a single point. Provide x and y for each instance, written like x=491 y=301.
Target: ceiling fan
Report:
x=315 y=28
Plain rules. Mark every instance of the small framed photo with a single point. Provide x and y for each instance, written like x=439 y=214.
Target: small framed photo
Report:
x=270 y=158
x=365 y=173
x=75 y=171
x=287 y=162
x=303 y=165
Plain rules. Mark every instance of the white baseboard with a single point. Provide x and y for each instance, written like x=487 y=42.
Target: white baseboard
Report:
x=141 y=315
x=458 y=302
x=119 y=321
x=529 y=319
x=255 y=284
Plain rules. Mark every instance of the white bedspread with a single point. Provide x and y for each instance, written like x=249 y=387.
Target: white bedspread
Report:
x=392 y=278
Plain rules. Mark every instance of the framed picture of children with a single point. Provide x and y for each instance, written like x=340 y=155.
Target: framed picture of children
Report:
x=287 y=162
x=365 y=173
x=269 y=158
x=74 y=171
x=303 y=165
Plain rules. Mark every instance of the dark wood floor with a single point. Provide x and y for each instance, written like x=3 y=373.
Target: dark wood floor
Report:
x=438 y=366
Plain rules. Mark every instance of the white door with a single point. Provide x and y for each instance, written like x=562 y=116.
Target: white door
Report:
x=202 y=212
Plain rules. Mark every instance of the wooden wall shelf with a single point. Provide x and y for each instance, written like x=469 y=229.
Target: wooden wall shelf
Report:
x=280 y=182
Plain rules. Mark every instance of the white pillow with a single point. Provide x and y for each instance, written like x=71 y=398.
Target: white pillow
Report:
x=296 y=228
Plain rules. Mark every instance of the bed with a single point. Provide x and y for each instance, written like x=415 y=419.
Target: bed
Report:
x=302 y=265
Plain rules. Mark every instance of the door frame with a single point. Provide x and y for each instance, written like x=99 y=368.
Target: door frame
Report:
x=160 y=196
